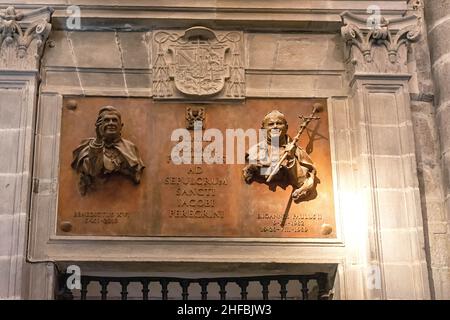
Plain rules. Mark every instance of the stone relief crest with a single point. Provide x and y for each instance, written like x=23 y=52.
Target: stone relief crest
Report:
x=193 y=116
x=198 y=62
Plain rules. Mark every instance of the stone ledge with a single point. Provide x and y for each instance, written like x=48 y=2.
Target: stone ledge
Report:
x=322 y=15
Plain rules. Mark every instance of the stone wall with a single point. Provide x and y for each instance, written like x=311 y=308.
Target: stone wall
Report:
x=436 y=157
x=429 y=155
x=20 y=52
x=278 y=64
x=118 y=63
x=111 y=57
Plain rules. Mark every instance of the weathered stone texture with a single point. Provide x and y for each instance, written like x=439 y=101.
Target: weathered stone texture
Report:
x=18 y=91
x=7 y=190
x=6 y=223
x=395 y=217
x=421 y=70
x=59 y=51
x=69 y=79
x=441 y=75
x=103 y=80
x=399 y=284
x=429 y=172
x=135 y=48
x=446 y=176
x=440 y=43
x=95 y=49
x=119 y=63
x=426 y=133
x=436 y=10
x=295 y=52
x=5 y=266
x=437 y=13
x=109 y=62
x=9 y=116
x=443 y=120
x=8 y=160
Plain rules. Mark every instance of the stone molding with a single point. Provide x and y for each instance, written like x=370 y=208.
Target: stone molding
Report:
x=391 y=205
x=22 y=37
x=378 y=77
x=378 y=49
x=317 y=15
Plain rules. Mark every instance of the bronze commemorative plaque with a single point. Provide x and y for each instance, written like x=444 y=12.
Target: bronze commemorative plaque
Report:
x=136 y=167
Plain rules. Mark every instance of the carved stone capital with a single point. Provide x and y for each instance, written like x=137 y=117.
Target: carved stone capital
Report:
x=22 y=37
x=378 y=45
x=198 y=62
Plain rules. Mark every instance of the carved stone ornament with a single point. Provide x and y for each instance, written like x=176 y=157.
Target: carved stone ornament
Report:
x=378 y=46
x=107 y=154
x=278 y=160
x=198 y=62
x=195 y=116
x=22 y=37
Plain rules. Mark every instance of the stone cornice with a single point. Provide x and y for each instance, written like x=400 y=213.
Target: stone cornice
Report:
x=320 y=15
x=22 y=37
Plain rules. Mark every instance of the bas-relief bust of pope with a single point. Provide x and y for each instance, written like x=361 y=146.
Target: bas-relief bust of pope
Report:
x=298 y=170
x=106 y=154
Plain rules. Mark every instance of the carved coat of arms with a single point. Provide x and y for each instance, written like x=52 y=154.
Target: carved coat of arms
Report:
x=199 y=69
x=198 y=62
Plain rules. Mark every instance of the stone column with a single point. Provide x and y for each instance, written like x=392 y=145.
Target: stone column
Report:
x=384 y=152
x=22 y=39
x=437 y=14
